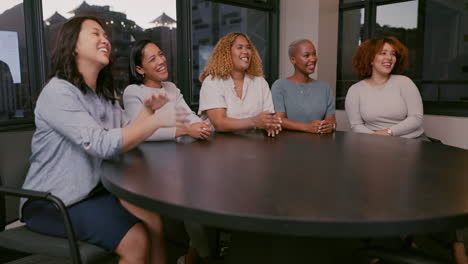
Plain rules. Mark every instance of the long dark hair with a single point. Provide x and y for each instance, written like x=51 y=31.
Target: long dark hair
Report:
x=136 y=55
x=63 y=63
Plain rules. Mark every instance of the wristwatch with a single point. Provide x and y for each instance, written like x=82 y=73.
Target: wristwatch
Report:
x=389 y=131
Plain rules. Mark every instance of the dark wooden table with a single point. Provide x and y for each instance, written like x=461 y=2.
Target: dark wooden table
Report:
x=338 y=185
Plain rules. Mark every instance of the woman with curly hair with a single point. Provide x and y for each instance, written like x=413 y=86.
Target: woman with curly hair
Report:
x=384 y=102
x=234 y=95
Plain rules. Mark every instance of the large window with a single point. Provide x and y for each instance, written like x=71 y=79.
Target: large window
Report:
x=15 y=93
x=438 y=52
x=211 y=21
x=185 y=30
x=127 y=22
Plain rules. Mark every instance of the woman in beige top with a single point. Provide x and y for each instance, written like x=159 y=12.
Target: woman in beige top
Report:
x=384 y=102
x=234 y=95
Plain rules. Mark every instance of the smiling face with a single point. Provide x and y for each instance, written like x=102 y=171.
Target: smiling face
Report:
x=384 y=61
x=241 y=53
x=92 y=48
x=153 y=66
x=304 y=58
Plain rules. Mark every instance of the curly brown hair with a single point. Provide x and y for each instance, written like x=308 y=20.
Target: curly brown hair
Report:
x=365 y=54
x=220 y=65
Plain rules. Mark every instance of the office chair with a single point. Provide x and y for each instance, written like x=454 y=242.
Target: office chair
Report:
x=435 y=248
x=14 y=163
x=392 y=256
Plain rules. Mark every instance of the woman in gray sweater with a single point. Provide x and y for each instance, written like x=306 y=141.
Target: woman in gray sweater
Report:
x=79 y=123
x=384 y=102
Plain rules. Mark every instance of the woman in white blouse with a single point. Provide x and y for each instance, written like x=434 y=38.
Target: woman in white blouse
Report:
x=148 y=70
x=234 y=95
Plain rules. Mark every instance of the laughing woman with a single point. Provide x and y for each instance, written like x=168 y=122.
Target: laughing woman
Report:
x=384 y=102
x=303 y=103
x=78 y=124
x=148 y=72
x=234 y=95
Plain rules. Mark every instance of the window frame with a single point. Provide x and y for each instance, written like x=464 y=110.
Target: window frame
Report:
x=184 y=41
x=34 y=34
x=37 y=59
x=458 y=108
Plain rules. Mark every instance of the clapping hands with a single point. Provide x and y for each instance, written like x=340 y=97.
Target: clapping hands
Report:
x=170 y=116
x=156 y=100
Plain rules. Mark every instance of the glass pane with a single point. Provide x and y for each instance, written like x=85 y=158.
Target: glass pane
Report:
x=400 y=15
x=127 y=22
x=211 y=21
x=15 y=93
x=445 y=60
x=351 y=37
x=401 y=20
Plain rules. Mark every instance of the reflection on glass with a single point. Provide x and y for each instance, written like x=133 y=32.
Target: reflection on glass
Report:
x=438 y=52
x=351 y=38
x=15 y=96
x=211 y=21
x=407 y=15
x=445 y=60
x=404 y=26
x=127 y=21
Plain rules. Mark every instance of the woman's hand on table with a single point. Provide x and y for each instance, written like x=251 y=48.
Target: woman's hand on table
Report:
x=320 y=126
x=267 y=121
x=313 y=126
x=199 y=130
x=326 y=127
x=272 y=132
x=383 y=132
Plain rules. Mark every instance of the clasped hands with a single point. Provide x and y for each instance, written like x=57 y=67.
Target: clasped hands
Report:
x=268 y=121
x=320 y=126
x=199 y=130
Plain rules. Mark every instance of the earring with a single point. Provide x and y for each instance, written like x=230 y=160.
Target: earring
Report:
x=74 y=53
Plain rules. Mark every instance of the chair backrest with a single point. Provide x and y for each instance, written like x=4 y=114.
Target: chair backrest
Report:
x=15 y=150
